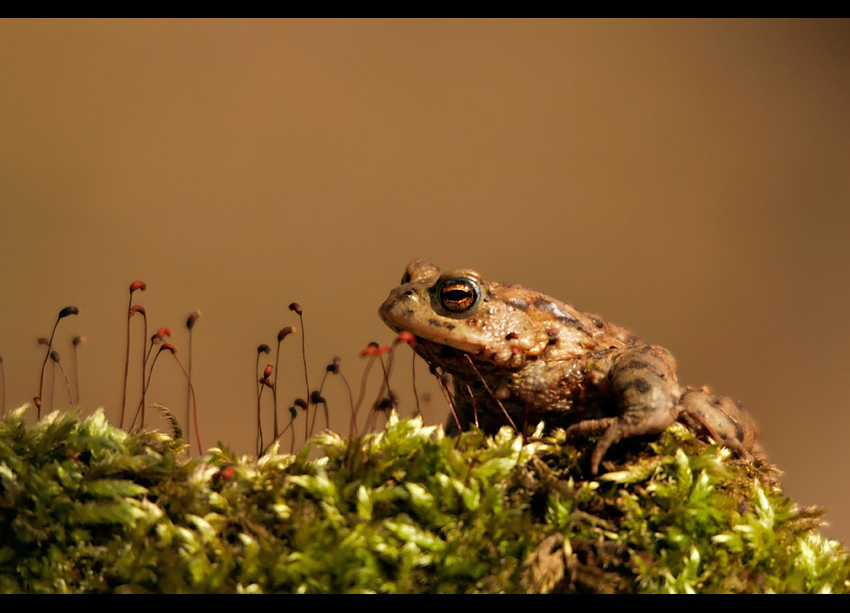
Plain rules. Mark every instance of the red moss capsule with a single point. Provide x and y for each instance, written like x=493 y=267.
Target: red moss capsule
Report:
x=406 y=337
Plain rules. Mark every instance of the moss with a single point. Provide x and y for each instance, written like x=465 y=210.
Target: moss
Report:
x=86 y=507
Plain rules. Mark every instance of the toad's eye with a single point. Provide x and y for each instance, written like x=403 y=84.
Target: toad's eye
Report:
x=458 y=295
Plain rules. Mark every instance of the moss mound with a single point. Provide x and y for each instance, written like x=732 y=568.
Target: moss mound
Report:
x=86 y=507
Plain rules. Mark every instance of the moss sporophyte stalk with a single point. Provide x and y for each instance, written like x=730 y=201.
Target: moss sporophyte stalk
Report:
x=88 y=507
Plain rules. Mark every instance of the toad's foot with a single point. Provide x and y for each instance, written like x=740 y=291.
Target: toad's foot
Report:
x=723 y=419
x=643 y=380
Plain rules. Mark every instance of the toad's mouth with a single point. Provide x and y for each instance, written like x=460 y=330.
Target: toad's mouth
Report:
x=438 y=339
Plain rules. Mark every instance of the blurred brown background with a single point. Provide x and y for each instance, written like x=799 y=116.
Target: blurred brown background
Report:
x=686 y=179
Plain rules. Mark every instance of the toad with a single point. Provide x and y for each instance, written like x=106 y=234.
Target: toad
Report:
x=517 y=357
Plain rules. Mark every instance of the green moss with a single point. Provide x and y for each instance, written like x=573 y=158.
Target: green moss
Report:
x=85 y=507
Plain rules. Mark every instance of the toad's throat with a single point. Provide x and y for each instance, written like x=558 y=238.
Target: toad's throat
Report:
x=458 y=362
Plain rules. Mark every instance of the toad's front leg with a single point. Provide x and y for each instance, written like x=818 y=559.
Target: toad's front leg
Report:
x=644 y=384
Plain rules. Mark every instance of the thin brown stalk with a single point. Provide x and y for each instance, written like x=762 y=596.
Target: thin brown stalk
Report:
x=127 y=365
x=192 y=392
x=350 y=395
x=52 y=384
x=293 y=412
x=489 y=391
x=449 y=399
x=54 y=355
x=274 y=409
x=263 y=348
x=259 y=442
x=141 y=408
x=297 y=308
x=145 y=351
x=155 y=339
x=363 y=379
x=78 y=340
x=333 y=368
x=415 y=393
x=133 y=287
x=474 y=407
x=3 y=381
x=317 y=399
x=190 y=324
x=69 y=310
x=371 y=420
x=284 y=332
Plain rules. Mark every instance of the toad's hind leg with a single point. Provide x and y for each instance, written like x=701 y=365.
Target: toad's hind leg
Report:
x=643 y=382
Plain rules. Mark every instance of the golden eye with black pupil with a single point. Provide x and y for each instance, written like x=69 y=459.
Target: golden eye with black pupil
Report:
x=458 y=295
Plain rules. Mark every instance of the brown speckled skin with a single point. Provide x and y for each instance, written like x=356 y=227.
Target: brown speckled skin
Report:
x=542 y=358
x=721 y=418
